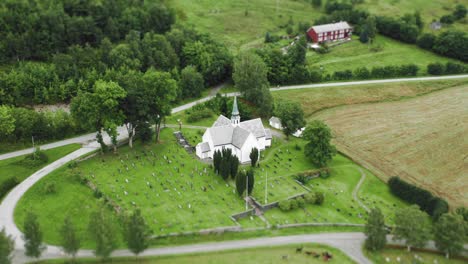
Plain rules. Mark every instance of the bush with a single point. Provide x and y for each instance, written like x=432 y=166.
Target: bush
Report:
x=447 y=19
x=436 y=68
x=426 y=41
x=434 y=206
x=324 y=174
x=34 y=159
x=199 y=114
x=454 y=68
x=7 y=185
x=294 y=204
x=300 y=202
x=309 y=198
x=49 y=188
x=285 y=205
x=319 y=198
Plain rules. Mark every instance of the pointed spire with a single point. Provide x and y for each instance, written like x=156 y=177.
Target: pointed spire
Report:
x=235 y=110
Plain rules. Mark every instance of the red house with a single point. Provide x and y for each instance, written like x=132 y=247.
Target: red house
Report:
x=330 y=32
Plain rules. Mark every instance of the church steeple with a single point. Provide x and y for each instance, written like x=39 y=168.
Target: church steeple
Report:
x=235 y=117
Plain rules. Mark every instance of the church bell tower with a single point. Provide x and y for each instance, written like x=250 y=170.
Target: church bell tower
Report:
x=235 y=117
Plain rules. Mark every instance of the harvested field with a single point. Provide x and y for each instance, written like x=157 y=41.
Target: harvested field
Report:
x=423 y=140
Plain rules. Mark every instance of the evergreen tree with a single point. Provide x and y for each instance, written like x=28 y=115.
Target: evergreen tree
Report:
x=7 y=245
x=32 y=236
x=234 y=165
x=137 y=233
x=70 y=240
x=253 y=157
x=101 y=229
x=251 y=179
x=240 y=182
x=375 y=230
x=450 y=234
x=412 y=225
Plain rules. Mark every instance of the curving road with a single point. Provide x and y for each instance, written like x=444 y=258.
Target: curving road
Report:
x=350 y=243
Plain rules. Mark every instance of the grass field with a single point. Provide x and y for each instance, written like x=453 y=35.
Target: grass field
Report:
x=264 y=255
x=430 y=10
x=404 y=256
x=422 y=140
x=11 y=168
x=227 y=20
x=354 y=54
x=317 y=99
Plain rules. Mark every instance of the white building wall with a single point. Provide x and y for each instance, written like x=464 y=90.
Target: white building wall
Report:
x=261 y=143
x=267 y=142
x=249 y=144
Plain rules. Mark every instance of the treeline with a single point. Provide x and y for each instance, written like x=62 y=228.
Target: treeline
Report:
x=36 y=29
x=194 y=60
x=21 y=124
x=433 y=205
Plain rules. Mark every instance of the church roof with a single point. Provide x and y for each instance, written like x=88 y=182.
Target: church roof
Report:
x=205 y=147
x=239 y=137
x=221 y=135
x=267 y=133
x=222 y=121
x=255 y=126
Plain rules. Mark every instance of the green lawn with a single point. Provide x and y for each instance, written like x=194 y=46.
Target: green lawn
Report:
x=393 y=254
x=252 y=255
x=178 y=193
x=242 y=24
x=354 y=54
x=11 y=168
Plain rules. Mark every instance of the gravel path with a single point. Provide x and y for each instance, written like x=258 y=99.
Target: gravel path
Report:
x=356 y=190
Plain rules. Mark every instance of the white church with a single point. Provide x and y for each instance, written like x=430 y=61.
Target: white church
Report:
x=240 y=137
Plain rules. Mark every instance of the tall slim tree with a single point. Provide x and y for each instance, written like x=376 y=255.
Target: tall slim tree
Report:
x=375 y=230
x=250 y=77
x=102 y=230
x=7 y=245
x=450 y=234
x=253 y=157
x=251 y=180
x=70 y=241
x=234 y=165
x=32 y=236
x=412 y=225
x=137 y=233
x=291 y=116
x=240 y=182
x=319 y=148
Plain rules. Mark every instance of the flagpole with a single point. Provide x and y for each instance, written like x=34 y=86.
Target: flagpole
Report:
x=246 y=191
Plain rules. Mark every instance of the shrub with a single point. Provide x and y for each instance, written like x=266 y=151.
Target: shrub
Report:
x=324 y=174
x=300 y=202
x=319 y=198
x=447 y=19
x=97 y=193
x=297 y=147
x=199 y=114
x=435 y=68
x=294 y=204
x=454 y=68
x=285 y=205
x=49 y=188
x=434 y=206
x=309 y=198
x=7 y=185
x=34 y=159
x=426 y=41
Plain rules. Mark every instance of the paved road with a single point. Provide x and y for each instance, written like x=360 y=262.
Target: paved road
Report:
x=89 y=137
x=349 y=243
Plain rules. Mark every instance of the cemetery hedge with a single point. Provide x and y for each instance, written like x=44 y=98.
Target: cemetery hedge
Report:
x=433 y=205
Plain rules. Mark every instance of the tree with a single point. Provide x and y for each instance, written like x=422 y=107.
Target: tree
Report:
x=250 y=77
x=450 y=234
x=317 y=3
x=70 y=240
x=412 y=225
x=32 y=236
x=375 y=230
x=100 y=109
x=291 y=116
x=7 y=121
x=319 y=148
x=7 y=245
x=217 y=161
x=297 y=53
x=191 y=82
x=459 y=12
x=426 y=41
x=435 y=68
x=161 y=91
x=240 y=182
x=102 y=231
x=251 y=180
x=253 y=157
x=233 y=165
x=447 y=19
x=137 y=233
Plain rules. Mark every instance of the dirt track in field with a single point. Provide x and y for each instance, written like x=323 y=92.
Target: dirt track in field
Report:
x=423 y=140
